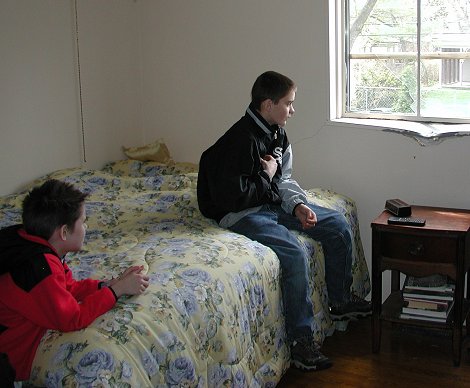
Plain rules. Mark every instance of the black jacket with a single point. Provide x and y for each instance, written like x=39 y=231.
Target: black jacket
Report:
x=22 y=258
x=231 y=177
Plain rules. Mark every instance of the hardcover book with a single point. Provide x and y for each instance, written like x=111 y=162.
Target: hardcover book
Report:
x=440 y=313
x=427 y=304
x=435 y=282
x=421 y=318
x=427 y=294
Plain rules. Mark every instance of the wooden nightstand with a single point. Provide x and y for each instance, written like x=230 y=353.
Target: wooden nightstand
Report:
x=441 y=246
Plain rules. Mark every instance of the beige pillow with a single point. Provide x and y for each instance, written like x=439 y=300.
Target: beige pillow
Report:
x=155 y=152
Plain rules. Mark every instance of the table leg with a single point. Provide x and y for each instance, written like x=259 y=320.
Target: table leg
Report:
x=395 y=280
x=376 y=292
x=458 y=310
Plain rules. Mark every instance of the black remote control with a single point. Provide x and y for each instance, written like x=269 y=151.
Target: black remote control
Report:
x=411 y=221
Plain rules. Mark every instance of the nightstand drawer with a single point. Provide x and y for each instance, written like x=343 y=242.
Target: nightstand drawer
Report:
x=419 y=248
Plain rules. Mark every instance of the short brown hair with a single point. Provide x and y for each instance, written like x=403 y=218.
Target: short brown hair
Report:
x=51 y=205
x=270 y=85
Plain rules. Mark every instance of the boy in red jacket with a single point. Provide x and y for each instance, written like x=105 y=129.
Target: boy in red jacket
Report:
x=37 y=290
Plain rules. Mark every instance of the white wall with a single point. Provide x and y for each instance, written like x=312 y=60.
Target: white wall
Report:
x=38 y=110
x=200 y=60
x=110 y=56
x=40 y=124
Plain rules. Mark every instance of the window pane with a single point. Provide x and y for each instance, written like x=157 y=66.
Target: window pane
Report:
x=383 y=86
x=445 y=83
x=439 y=99
x=386 y=30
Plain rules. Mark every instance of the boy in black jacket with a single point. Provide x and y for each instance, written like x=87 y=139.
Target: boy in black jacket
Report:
x=245 y=184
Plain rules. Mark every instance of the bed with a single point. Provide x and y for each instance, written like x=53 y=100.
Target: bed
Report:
x=212 y=315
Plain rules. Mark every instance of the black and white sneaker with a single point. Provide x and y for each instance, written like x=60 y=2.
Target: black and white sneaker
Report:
x=355 y=308
x=306 y=355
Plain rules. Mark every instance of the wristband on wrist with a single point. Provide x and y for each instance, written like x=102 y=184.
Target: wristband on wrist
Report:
x=103 y=284
x=114 y=293
x=295 y=207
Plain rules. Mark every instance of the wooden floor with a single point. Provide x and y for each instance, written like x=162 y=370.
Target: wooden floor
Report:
x=407 y=358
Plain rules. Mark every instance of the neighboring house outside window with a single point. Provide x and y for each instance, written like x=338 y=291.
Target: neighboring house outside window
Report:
x=404 y=61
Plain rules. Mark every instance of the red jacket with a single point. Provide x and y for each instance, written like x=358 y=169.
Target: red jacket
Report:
x=38 y=292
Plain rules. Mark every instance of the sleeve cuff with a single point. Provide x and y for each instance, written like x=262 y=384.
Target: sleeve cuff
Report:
x=295 y=207
x=115 y=296
x=265 y=175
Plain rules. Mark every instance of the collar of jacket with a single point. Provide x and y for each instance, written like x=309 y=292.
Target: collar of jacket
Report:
x=260 y=121
x=17 y=247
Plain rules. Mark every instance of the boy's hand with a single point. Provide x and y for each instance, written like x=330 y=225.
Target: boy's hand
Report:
x=128 y=270
x=306 y=216
x=269 y=165
x=131 y=282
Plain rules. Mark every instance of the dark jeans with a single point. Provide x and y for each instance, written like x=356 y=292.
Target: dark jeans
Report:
x=271 y=227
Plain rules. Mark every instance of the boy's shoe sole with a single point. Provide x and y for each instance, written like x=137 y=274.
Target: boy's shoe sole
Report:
x=320 y=365
x=353 y=315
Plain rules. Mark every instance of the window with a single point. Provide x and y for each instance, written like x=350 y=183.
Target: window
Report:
x=402 y=60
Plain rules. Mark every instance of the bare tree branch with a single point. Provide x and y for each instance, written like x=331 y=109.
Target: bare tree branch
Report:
x=360 y=21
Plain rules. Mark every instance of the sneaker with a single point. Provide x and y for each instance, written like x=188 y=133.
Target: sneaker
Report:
x=355 y=308
x=306 y=355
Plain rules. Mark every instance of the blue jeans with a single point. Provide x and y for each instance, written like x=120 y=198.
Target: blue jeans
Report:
x=271 y=227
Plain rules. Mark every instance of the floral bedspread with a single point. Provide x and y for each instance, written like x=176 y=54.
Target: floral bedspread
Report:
x=212 y=315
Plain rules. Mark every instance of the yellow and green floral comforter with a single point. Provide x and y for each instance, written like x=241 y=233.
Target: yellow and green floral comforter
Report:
x=212 y=315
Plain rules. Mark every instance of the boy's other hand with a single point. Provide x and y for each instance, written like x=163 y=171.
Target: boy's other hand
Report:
x=131 y=282
x=306 y=216
x=269 y=165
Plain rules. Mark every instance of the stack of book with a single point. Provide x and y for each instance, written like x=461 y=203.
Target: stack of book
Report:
x=427 y=298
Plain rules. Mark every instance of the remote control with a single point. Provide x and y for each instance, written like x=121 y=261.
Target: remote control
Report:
x=407 y=221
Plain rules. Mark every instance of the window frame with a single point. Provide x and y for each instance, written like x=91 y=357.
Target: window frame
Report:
x=425 y=129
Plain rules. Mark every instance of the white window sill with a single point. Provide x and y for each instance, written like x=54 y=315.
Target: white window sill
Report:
x=424 y=133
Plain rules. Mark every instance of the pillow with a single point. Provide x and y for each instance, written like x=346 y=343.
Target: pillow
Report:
x=155 y=152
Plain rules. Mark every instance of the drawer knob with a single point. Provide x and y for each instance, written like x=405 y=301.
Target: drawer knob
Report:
x=416 y=249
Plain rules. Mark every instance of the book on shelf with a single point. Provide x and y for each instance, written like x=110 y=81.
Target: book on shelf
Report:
x=434 y=287
x=441 y=312
x=426 y=304
x=427 y=294
x=435 y=282
x=422 y=318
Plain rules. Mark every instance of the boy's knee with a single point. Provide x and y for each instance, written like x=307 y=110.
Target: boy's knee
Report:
x=342 y=227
